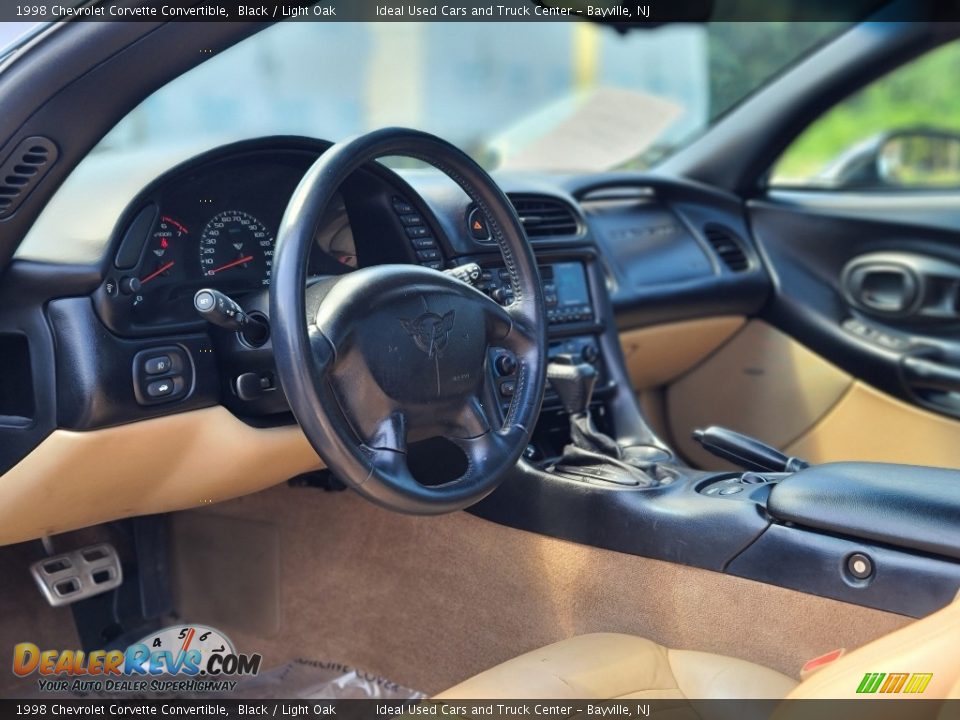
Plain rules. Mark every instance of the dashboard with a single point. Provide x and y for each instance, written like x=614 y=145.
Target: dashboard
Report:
x=212 y=222
x=99 y=336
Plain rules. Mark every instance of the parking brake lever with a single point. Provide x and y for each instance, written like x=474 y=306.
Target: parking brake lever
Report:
x=747 y=452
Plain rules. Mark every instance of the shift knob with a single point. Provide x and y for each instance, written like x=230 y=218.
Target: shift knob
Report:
x=573 y=382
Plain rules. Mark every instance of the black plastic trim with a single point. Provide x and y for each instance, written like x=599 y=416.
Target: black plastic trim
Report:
x=815 y=563
x=672 y=522
x=916 y=508
x=94 y=380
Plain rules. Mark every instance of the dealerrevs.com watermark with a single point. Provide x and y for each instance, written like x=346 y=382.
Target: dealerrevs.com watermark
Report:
x=179 y=659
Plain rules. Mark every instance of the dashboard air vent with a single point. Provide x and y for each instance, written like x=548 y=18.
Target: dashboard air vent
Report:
x=728 y=247
x=544 y=216
x=22 y=170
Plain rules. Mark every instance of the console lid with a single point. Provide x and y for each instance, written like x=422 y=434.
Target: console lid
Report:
x=905 y=506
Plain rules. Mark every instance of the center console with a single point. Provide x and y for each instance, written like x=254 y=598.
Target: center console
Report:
x=580 y=326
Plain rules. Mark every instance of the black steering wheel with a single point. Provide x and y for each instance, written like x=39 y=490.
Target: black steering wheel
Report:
x=387 y=355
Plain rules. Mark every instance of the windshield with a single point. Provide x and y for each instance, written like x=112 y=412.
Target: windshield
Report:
x=564 y=96
x=14 y=33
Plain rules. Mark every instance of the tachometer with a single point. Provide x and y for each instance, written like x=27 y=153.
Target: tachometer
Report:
x=237 y=245
x=159 y=258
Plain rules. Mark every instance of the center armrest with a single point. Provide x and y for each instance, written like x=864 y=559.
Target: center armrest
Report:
x=900 y=505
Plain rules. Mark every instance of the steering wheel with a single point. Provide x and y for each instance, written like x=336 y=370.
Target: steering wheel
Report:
x=391 y=354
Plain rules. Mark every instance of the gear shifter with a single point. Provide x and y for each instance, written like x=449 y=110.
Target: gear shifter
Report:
x=591 y=454
x=573 y=381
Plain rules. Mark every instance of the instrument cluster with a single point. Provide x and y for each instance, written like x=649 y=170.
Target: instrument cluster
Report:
x=215 y=228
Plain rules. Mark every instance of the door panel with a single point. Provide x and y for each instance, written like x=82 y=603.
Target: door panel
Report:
x=880 y=298
x=761 y=383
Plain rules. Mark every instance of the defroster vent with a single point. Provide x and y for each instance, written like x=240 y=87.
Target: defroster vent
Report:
x=22 y=170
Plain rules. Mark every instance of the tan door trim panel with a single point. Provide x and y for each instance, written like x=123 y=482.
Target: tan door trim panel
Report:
x=75 y=479
x=658 y=354
x=869 y=425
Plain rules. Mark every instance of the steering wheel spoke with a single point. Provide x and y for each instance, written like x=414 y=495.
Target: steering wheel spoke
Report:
x=522 y=339
x=507 y=327
x=390 y=433
x=485 y=453
x=472 y=421
x=321 y=351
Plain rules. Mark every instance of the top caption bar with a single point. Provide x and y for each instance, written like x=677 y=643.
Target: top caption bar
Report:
x=623 y=14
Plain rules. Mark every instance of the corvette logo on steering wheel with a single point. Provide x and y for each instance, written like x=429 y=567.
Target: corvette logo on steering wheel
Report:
x=430 y=331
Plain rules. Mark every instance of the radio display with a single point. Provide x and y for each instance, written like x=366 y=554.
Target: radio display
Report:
x=571 y=283
x=566 y=292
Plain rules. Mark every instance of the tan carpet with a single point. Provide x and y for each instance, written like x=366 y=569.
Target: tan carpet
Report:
x=24 y=615
x=428 y=602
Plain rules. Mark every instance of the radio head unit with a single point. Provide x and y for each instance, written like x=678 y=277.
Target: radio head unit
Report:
x=565 y=290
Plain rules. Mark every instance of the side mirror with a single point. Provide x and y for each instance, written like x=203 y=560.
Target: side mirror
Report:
x=919 y=159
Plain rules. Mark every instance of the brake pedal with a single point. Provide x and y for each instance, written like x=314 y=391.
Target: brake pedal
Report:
x=63 y=579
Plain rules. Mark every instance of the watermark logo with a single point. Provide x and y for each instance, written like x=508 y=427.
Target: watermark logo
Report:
x=177 y=653
x=904 y=683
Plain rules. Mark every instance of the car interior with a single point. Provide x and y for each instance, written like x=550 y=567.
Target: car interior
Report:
x=662 y=431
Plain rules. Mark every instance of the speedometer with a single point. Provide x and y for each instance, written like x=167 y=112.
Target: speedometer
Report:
x=237 y=245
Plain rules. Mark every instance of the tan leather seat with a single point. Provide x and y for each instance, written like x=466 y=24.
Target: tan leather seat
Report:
x=607 y=666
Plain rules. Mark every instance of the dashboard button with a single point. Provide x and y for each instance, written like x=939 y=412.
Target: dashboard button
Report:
x=417 y=231
x=424 y=243
x=204 y=300
x=401 y=205
x=506 y=364
x=478 y=225
x=157 y=365
x=428 y=254
x=508 y=388
x=129 y=285
x=411 y=219
x=161 y=388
